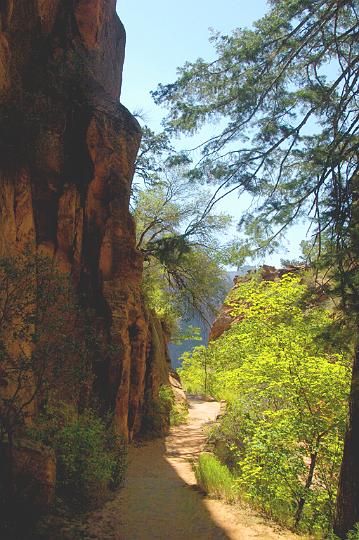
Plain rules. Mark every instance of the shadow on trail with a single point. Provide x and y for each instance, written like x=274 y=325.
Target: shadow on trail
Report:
x=161 y=501
x=158 y=501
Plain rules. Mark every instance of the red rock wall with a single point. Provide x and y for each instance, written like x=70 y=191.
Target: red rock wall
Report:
x=67 y=153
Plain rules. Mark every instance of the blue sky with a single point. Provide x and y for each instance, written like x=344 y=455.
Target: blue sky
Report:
x=162 y=35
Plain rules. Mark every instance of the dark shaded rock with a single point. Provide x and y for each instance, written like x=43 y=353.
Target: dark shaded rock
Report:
x=67 y=154
x=155 y=418
x=34 y=473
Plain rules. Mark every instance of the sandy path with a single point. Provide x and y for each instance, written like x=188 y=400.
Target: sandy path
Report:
x=160 y=500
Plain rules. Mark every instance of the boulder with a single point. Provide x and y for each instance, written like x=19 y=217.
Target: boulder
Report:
x=34 y=473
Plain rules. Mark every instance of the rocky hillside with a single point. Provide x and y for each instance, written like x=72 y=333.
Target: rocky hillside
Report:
x=67 y=153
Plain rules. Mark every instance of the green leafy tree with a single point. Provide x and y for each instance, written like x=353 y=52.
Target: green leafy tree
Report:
x=183 y=256
x=285 y=93
x=287 y=386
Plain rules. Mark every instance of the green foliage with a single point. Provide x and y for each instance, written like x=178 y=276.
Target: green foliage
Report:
x=192 y=333
x=157 y=413
x=177 y=233
x=287 y=386
x=165 y=396
x=197 y=374
x=282 y=99
x=173 y=208
x=159 y=297
x=215 y=478
x=155 y=157
x=90 y=457
x=354 y=533
x=178 y=412
x=85 y=466
x=152 y=157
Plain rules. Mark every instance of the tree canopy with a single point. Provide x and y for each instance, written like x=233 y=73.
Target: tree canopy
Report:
x=285 y=97
x=183 y=272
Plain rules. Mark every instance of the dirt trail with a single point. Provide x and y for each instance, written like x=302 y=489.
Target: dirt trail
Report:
x=160 y=500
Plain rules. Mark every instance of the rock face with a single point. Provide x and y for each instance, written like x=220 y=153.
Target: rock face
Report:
x=155 y=419
x=67 y=153
x=34 y=472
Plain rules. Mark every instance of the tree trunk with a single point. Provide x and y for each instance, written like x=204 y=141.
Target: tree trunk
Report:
x=347 y=510
x=301 y=503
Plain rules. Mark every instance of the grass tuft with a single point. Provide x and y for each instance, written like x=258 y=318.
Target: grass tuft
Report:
x=215 y=478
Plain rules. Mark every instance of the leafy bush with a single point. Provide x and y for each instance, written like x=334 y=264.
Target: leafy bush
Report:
x=178 y=411
x=90 y=457
x=354 y=534
x=165 y=396
x=214 y=477
x=178 y=414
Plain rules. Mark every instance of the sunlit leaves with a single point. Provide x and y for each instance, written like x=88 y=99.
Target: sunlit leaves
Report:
x=287 y=385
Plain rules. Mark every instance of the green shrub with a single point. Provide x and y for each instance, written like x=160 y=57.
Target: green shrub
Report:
x=165 y=396
x=178 y=412
x=162 y=413
x=286 y=384
x=354 y=534
x=214 y=477
x=90 y=457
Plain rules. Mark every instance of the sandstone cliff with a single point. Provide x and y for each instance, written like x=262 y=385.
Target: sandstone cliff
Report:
x=67 y=153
